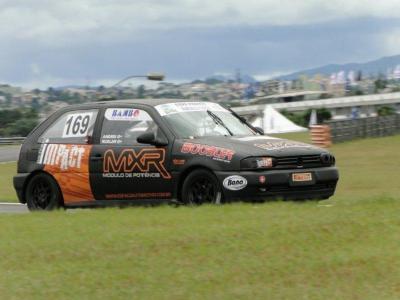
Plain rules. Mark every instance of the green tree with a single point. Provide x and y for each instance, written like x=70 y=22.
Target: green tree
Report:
x=380 y=83
x=17 y=122
x=386 y=111
x=141 y=91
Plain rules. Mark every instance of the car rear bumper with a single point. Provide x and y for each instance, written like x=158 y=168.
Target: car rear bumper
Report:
x=19 y=181
x=278 y=184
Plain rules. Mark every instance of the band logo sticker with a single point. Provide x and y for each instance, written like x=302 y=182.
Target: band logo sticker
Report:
x=216 y=153
x=64 y=157
x=132 y=164
x=126 y=114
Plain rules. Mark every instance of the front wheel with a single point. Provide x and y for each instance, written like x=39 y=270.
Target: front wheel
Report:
x=42 y=193
x=201 y=186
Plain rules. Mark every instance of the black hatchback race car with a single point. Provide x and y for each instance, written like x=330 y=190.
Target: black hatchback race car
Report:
x=149 y=151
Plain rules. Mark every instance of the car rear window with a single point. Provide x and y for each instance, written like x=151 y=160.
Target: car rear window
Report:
x=73 y=127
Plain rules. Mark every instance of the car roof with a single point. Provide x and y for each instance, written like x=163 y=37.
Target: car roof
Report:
x=147 y=102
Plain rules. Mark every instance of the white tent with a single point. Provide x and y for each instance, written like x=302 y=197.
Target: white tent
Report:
x=273 y=121
x=313 y=118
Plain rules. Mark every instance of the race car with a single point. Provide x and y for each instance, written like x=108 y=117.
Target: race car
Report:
x=157 y=150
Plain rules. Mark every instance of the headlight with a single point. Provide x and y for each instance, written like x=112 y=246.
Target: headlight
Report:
x=328 y=159
x=257 y=163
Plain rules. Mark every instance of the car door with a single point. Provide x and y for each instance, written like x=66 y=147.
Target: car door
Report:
x=123 y=169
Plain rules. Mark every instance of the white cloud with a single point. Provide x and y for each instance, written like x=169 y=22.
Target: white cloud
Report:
x=390 y=41
x=79 y=21
x=270 y=75
x=35 y=69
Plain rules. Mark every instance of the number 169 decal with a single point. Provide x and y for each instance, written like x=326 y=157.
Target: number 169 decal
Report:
x=77 y=125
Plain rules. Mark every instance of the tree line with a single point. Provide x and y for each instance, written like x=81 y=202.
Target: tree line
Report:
x=17 y=122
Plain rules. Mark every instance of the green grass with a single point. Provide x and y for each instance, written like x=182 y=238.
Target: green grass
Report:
x=343 y=248
x=7 y=192
x=265 y=251
x=298 y=136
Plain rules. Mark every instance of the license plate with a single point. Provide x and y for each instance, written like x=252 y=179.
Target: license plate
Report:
x=301 y=177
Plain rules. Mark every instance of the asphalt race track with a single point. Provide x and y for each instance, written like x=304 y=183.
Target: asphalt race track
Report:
x=13 y=208
x=9 y=153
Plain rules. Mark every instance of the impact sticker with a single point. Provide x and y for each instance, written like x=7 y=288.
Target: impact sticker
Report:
x=77 y=125
x=69 y=165
x=180 y=107
x=126 y=114
x=64 y=157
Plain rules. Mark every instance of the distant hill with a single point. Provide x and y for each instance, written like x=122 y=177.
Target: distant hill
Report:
x=373 y=67
x=244 y=78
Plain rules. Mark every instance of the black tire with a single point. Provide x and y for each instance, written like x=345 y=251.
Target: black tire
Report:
x=42 y=193
x=201 y=186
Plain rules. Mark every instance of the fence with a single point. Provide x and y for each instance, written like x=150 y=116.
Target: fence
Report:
x=346 y=130
x=11 y=140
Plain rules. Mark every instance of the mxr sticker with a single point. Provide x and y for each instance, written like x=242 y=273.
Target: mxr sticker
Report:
x=146 y=163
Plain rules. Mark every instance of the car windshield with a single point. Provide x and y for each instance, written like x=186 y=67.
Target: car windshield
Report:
x=198 y=119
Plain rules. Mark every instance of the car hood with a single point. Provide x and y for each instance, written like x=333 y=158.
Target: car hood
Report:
x=259 y=146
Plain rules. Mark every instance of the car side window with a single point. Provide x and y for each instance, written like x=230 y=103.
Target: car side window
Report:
x=73 y=127
x=122 y=126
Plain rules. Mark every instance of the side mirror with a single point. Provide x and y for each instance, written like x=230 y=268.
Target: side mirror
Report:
x=150 y=138
x=260 y=130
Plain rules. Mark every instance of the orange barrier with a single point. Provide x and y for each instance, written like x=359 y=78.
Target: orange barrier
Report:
x=321 y=135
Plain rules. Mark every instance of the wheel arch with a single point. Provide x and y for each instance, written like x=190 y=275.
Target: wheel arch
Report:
x=33 y=174
x=189 y=170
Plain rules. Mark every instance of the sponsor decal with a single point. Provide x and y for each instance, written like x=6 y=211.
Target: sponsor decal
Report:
x=112 y=139
x=282 y=145
x=301 y=177
x=216 y=153
x=180 y=107
x=178 y=162
x=126 y=114
x=77 y=125
x=138 y=195
x=235 y=183
x=128 y=161
x=63 y=156
x=69 y=165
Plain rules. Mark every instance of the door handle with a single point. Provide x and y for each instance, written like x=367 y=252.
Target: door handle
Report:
x=96 y=157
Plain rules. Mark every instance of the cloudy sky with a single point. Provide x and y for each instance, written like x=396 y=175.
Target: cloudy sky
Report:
x=53 y=43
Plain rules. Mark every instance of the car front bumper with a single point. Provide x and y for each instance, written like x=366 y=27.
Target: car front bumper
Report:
x=278 y=184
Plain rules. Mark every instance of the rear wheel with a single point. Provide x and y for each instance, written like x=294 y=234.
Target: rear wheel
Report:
x=42 y=193
x=201 y=186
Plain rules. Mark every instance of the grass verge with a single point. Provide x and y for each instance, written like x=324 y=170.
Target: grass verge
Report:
x=344 y=248
x=270 y=251
x=7 y=192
